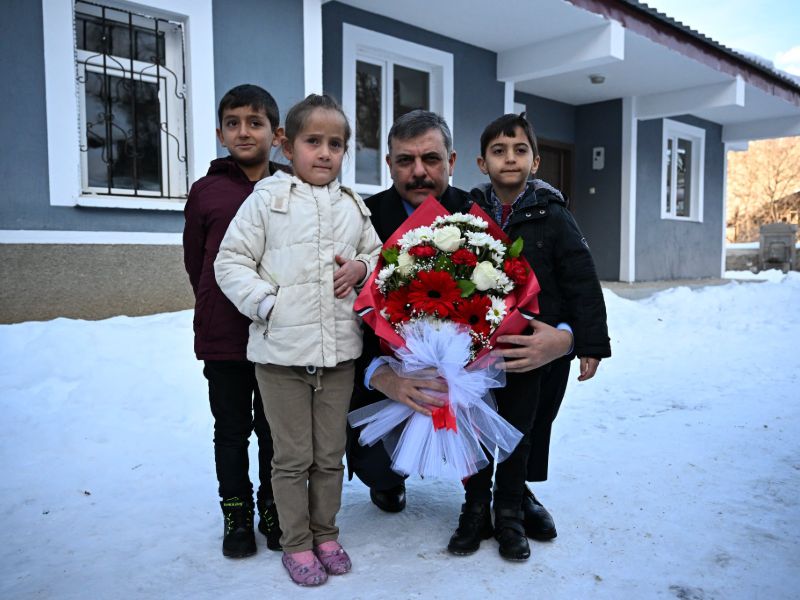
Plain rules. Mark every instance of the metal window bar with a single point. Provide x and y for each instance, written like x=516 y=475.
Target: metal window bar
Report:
x=131 y=149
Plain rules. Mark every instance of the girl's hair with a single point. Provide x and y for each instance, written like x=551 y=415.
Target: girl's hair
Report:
x=298 y=115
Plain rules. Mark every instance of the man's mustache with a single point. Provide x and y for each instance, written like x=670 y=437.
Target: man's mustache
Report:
x=420 y=184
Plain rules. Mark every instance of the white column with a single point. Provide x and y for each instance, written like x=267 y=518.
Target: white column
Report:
x=312 y=46
x=508 y=98
x=627 y=238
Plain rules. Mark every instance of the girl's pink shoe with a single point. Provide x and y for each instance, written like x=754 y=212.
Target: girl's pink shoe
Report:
x=304 y=572
x=333 y=558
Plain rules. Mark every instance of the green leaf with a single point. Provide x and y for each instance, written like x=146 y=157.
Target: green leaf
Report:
x=467 y=287
x=390 y=255
x=516 y=248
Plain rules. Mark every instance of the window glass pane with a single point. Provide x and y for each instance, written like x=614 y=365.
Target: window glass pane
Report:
x=669 y=176
x=123 y=138
x=146 y=49
x=411 y=90
x=683 y=183
x=114 y=38
x=368 y=123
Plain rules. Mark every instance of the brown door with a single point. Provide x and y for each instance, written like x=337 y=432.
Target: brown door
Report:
x=556 y=166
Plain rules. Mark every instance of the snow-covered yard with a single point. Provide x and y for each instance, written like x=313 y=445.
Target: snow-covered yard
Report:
x=675 y=471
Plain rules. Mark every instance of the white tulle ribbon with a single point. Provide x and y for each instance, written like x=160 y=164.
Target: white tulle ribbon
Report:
x=412 y=440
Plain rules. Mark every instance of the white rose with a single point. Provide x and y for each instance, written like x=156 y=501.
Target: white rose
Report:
x=484 y=276
x=447 y=238
x=404 y=263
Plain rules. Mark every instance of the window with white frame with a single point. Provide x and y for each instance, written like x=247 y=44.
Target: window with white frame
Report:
x=123 y=131
x=132 y=103
x=383 y=78
x=682 y=169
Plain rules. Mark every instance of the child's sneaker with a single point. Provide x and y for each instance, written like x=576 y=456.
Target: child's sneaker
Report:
x=333 y=558
x=239 y=540
x=304 y=568
x=268 y=523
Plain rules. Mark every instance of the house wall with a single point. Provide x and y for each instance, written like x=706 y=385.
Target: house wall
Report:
x=478 y=96
x=598 y=213
x=551 y=120
x=667 y=248
x=259 y=42
x=25 y=199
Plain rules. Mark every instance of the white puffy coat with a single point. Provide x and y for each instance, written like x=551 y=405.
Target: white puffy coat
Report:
x=283 y=241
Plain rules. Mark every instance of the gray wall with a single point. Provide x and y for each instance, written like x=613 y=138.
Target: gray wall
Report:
x=478 y=96
x=551 y=120
x=670 y=249
x=259 y=42
x=599 y=124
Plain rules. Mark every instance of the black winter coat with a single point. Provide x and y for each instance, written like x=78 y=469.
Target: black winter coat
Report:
x=560 y=257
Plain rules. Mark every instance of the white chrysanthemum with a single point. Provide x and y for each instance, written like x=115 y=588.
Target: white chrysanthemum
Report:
x=497 y=311
x=504 y=283
x=383 y=276
x=479 y=239
x=461 y=219
x=415 y=237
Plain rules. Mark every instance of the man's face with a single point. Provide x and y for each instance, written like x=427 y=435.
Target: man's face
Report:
x=420 y=166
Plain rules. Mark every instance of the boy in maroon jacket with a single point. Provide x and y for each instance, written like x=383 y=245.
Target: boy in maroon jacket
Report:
x=248 y=128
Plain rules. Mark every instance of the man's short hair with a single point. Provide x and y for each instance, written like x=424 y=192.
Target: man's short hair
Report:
x=417 y=122
x=250 y=95
x=506 y=125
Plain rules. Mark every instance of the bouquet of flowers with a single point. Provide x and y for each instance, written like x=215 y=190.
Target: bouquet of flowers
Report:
x=446 y=287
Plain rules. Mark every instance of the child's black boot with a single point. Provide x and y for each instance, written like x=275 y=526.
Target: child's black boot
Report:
x=268 y=523
x=239 y=539
x=474 y=525
x=510 y=534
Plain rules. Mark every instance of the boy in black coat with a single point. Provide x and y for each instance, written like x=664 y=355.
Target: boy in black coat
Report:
x=571 y=294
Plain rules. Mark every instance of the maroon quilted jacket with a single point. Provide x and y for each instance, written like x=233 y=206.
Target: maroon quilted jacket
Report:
x=220 y=331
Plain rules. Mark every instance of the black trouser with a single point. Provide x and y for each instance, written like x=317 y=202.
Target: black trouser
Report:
x=371 y=464
x=516 y=403
x=238 y=411
x=554 y=384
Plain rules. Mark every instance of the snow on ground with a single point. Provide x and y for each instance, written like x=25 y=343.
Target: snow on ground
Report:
x=675 y=472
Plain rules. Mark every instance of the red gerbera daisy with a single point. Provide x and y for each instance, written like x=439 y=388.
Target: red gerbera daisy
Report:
x=433 y=292
x=472 y=312
x=397 y=307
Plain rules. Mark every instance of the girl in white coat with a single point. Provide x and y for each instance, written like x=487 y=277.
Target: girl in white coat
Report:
x=291 y=260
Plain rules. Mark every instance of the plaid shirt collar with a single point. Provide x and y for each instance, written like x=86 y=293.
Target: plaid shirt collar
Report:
x=497 y=206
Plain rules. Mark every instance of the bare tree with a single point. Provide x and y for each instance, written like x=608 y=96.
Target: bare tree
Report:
x=758 y=180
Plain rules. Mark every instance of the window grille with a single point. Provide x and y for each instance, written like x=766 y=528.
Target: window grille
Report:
x=132 y=98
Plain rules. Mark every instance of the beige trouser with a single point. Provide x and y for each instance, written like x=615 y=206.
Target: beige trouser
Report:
x=307 y=414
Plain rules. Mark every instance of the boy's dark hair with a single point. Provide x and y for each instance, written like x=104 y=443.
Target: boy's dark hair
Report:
x=506 y=125
x=251 y=95
x=298 y=115
x=417 y=122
